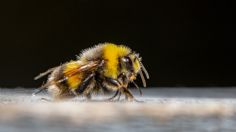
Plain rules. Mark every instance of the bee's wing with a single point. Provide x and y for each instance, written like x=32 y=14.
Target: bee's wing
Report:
x=44 y=73
x=87 y=67
x=90 y=66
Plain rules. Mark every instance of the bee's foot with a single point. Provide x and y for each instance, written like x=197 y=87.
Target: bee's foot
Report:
x=45 y=100
x=134 y=100
x=110 y=100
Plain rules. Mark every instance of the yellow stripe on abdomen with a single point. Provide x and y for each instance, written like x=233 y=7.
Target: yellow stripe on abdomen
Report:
x=75 y=80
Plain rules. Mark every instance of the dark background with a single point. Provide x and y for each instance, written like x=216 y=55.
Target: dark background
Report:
x=183 y=43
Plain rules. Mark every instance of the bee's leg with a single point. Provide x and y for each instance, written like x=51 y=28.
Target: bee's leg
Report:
x=85 y=84
x=119 y=94
x=112 y=83
x=45 y=100
x=39 y=90
x=128 y=95
x=88 y=96
x=111 y=98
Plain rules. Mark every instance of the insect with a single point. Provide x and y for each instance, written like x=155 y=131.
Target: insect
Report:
x=104 y=67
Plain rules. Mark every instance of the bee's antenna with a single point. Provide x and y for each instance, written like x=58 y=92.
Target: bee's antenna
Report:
x=140 y=91
x=142 y=66
x=143 y=79
x=144 y=70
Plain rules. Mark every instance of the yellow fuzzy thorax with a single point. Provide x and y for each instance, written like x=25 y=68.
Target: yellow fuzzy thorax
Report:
x=111 y=53
x=75 y=80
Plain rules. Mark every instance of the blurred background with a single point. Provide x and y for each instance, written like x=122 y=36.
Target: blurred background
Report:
x=182 y=43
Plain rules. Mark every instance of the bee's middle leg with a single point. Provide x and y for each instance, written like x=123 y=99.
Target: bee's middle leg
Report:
x=118 y=93
x=113 y=83
x=113 y=97
x=85 y=86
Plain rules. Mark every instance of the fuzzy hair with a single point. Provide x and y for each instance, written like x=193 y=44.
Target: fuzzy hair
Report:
x=92 y=53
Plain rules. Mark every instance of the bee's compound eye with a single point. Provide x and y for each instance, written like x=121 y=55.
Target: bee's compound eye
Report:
x=125 y=59
x=128 y=63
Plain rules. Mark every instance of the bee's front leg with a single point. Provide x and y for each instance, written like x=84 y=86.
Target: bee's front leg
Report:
x=128 y=95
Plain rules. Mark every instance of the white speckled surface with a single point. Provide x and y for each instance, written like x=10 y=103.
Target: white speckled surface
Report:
x=169 y=109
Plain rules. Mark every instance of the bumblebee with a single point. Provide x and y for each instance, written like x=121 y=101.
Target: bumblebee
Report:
x=104 y=67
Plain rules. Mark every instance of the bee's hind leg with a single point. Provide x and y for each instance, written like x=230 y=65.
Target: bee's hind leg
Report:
x=88 y=96
x=85 y=86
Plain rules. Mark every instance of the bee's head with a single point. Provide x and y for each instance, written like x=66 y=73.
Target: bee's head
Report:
x=131 y=65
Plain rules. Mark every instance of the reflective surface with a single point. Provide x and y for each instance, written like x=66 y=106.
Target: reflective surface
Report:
x=169 y=109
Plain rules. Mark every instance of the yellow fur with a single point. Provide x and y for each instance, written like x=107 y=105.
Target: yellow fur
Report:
x=136 y=66
x=111 y=54
x=75 y=80
x=136 y=63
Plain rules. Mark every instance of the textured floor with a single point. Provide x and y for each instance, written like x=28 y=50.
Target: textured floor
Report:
x=161 y=109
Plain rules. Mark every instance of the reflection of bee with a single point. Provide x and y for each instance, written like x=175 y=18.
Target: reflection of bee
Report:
x=105 y=67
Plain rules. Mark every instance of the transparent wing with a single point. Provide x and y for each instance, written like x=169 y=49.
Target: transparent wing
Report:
x=90 y=66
